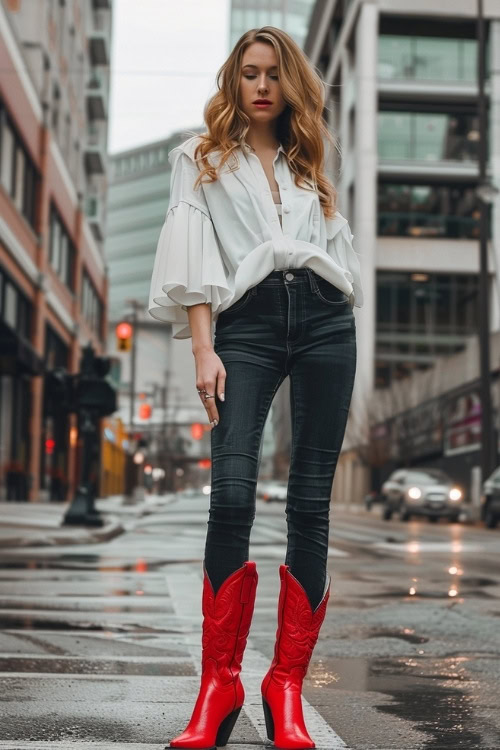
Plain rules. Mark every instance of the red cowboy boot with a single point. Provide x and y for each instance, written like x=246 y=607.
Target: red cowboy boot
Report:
x=296 y=636
x=226 y=621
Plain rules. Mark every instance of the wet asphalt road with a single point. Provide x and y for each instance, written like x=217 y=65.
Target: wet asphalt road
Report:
x=99 y=645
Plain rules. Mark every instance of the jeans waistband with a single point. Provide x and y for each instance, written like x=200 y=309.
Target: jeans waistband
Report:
x=304 y=275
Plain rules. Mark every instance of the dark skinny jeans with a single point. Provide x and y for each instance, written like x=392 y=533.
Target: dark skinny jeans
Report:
x=293 y=323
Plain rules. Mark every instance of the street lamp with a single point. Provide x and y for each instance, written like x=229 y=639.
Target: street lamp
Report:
x=136 y=306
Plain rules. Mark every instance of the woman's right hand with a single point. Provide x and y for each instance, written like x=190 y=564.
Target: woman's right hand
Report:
x=211 y=377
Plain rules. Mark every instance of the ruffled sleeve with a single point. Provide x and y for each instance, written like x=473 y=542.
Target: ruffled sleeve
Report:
x=339 y=246
x=188 y=267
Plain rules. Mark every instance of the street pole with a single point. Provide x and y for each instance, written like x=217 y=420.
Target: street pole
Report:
x=133 y=355
x=164 y=450
x=487 y=456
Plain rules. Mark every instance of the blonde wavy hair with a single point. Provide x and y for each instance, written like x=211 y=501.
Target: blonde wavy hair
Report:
x=300 y=127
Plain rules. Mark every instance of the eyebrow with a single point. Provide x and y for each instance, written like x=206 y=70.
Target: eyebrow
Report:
x=249 y=65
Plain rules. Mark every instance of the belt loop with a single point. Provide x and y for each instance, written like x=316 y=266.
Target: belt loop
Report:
x=312 y=280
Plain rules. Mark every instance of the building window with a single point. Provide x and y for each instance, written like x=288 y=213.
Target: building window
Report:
x=15 y=307
x=54 y=433
x=67 y=137
x=431 y=58
x=446 y=211
x=428 y=136
x=421 y=316
x=91 y=305
x=18 y=175
x=56 y=103
x=56 y=351
x=62 y=250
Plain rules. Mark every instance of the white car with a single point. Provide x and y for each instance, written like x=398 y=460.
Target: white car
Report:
x=273 y=490
x=422 y=492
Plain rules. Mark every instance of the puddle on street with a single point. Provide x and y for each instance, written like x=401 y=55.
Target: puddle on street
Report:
x=57 y=604
x=16 y=622
x=427 y=594
x=479 y=581
x=136 y=668
x=404 y=634
x=435 y=695
x=85 y=562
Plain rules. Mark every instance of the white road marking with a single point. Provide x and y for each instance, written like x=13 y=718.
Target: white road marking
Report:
x=278 y=551
x=185 y=589
x=418 y=546
x=38 y=745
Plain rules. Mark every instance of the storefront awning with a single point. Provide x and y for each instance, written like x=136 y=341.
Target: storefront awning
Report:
x=17 y=356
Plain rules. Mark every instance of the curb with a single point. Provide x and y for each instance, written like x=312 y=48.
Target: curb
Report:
x=70 y=535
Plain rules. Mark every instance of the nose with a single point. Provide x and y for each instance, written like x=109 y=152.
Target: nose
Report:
x=262 y=85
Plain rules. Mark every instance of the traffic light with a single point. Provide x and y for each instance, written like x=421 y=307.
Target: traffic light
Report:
x=92 y=390
x=197 y=430
x=88 y=389
x=145 y=411
x=124 y=333
x=93 y=397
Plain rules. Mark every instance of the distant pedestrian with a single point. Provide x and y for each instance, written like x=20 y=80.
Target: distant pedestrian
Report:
x=258 y=248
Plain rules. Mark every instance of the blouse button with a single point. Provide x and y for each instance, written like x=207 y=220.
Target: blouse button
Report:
x=286 y=209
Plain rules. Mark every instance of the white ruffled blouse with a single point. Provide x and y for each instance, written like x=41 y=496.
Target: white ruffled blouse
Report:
x=226 y=236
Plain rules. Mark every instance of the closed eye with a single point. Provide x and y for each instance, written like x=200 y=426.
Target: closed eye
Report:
x=250 y=76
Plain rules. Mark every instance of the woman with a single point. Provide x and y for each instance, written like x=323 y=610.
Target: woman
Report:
x=279 y=286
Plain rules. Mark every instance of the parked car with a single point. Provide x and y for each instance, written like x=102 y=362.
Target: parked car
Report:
x=273 y=490
x=261 y=487
x=422 y=492
x=490 y=505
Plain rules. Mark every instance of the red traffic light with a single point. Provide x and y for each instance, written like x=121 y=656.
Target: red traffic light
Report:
x=145 y=411
x=124 y=330
x=197 y=430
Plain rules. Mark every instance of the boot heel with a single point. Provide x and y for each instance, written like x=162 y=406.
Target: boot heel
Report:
x=269 y=720
x=226 y=727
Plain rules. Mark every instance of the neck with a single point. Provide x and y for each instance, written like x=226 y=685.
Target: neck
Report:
x=262 y=137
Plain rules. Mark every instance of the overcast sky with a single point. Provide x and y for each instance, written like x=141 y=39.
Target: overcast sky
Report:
x=164 y=57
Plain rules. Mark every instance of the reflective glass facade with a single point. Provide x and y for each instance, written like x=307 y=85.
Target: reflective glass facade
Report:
x=446 y=211
x=421 y=316
x=290 y=15
x=428 y=136
x=425 y=58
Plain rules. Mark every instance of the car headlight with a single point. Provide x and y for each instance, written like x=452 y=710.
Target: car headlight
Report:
x=414 y=493
x=455 y=494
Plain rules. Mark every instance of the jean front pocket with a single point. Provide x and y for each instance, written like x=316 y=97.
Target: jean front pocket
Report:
x=241 y=303
x=328 y=293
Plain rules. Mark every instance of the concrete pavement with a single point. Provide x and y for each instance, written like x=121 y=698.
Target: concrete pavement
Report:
x=37 y=524
x=100 y=643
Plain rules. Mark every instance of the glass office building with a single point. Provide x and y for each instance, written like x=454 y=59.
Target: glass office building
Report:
x=408 y=175
x=290 y=15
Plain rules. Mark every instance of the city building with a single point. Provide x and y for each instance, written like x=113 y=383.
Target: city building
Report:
x=291 y=16
x=54 y=87
x=402 y=100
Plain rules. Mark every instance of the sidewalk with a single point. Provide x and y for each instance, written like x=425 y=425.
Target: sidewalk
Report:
x=39 y=524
